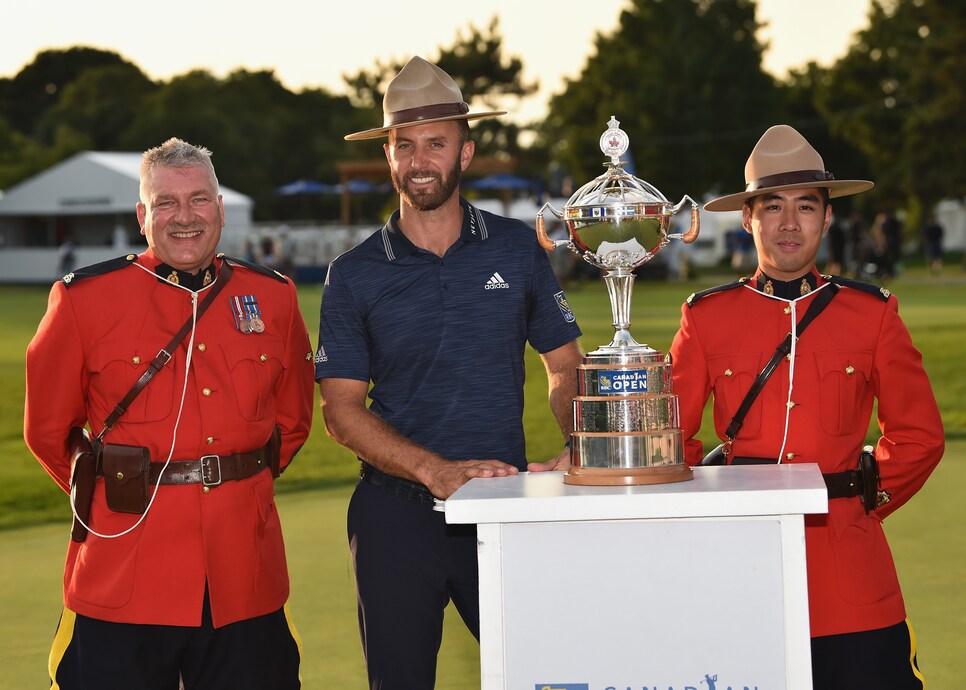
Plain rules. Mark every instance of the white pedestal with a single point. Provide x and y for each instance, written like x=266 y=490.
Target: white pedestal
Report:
x=695 y=585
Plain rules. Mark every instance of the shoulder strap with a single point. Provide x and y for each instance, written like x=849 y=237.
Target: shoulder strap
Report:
x=821 y=301
x=165 y=353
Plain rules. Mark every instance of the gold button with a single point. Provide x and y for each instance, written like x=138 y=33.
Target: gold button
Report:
x=205 y=489
x=210 y=440
x=790 y=404
x=850 y=370
x=206 y=392
x=789 y=456
x=135 y=359
x=263 y=358
x=202 y=347
x=789 y=356
x=788 y=310
x=120 y=475
x=308 y=356
x=728 y=372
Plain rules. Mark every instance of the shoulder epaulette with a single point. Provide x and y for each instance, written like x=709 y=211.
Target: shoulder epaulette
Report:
x=264 y=270
x=695 y=296
x=882 y=293
x=98 y=269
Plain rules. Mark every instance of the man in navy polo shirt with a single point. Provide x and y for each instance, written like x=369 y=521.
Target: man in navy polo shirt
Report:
x=435 y=310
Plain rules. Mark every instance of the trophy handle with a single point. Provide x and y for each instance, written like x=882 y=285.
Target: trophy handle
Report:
x=543 y=239
x=692 y=234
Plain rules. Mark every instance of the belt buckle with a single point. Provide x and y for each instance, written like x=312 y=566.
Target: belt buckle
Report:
x=204 y=469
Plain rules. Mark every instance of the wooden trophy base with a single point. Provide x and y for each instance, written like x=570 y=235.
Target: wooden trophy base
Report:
x=627 y=476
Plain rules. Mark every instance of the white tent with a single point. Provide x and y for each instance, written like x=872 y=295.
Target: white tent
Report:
x=90 y=200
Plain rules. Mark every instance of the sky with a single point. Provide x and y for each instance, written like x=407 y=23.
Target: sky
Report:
x=314 y=43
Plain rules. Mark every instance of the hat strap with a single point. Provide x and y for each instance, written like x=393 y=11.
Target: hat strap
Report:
x=426 y=112
x=795 y=177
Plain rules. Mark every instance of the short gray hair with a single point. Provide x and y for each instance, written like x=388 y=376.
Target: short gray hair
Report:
x=176 y=153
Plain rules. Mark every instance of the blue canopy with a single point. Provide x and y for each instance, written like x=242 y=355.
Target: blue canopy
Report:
x=498 y=181
x=304 y=186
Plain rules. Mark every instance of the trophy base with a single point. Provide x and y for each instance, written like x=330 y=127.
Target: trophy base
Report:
x=627 y=476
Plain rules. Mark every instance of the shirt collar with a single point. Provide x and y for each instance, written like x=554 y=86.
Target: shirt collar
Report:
x=172 y=275
x=397 y=245
x=787 y=289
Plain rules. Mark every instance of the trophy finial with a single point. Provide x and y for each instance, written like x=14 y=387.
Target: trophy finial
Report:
x=614 y=141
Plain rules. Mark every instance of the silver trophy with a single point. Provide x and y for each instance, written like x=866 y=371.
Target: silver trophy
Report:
x=626 y=419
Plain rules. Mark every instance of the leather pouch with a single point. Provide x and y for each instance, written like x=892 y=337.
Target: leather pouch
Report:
x=869 y=471
x=83 y=477
x=127 y=472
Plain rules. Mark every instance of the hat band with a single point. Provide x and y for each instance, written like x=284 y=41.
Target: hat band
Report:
x=426 y=112
x=782 y=179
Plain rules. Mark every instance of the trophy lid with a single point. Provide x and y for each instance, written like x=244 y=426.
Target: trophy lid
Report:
x=616 y=187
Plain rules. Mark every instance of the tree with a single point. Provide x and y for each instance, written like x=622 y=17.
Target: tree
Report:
x=684 y=78
x=898 y=96
x=101 y=103
x=261 y=134
x=38 y=86
x=14 y=156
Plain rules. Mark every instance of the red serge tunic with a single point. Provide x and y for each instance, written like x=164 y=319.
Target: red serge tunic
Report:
x=855 y=352
x=96 y=339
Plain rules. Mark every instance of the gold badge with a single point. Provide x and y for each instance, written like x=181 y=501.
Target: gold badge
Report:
x=881 y=498
x=769 y=289
x=805 y=288
x=173 y=278
x=207 y=279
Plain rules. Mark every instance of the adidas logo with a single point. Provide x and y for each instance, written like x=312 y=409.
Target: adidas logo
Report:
x=496 y=282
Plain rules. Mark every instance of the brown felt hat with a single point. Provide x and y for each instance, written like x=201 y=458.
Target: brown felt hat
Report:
x=421 y=93
x=783 y=159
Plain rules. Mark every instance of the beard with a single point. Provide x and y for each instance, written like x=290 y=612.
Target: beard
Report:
x=431 y=198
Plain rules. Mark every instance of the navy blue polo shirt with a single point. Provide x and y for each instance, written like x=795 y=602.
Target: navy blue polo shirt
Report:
x=443 y=339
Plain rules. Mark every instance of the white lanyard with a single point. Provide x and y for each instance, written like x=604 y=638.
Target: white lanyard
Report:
x=793 y=310
x=177 y=421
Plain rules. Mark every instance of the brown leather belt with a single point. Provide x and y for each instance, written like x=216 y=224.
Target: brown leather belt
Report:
x=848 y=484
x=210 y=470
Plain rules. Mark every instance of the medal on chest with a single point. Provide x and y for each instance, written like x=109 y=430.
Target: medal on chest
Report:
x=247 y=313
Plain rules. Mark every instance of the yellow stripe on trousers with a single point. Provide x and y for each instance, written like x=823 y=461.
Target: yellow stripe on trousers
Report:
x=62 y=638
x=295 y=636
x=912 y=654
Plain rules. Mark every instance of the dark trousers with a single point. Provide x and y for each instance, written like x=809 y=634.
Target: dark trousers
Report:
x=409 y=564
x=882 y=659
x=257 y=654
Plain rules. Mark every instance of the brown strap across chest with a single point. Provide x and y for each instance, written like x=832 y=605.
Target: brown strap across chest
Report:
x=164 y=355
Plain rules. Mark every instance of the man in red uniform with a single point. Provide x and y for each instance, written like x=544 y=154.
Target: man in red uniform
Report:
x=817 y=404
x=195 y=587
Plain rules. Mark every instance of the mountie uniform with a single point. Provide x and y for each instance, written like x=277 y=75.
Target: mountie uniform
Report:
x=103 y=326
x=816 y=408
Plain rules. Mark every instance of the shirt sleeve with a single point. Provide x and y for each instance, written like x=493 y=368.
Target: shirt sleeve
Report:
x=295 y=391
x=913 y=440
x=343 y=342
x=551 y=322
x=56 y=381
x=690 y=382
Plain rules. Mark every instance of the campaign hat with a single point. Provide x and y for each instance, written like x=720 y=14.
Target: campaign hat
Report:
x=783 y=159
x=421 y=93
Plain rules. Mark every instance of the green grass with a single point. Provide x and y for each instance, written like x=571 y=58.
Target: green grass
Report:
x=930 y=551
